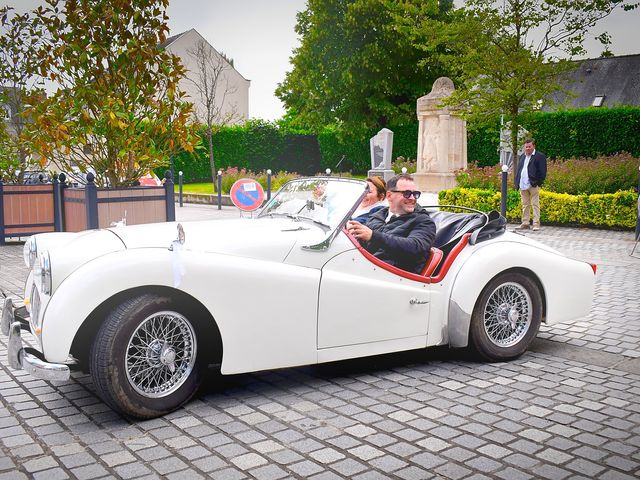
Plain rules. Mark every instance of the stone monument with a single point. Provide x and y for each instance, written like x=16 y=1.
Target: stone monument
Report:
x=381 y=146
x=442 y=140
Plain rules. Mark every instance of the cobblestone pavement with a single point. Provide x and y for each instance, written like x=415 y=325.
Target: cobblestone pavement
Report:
x=569 y=408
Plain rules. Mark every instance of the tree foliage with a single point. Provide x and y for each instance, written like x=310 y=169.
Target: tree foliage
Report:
x=20 y=36
x=118 y=108
x=357 y=65
x=510 y=54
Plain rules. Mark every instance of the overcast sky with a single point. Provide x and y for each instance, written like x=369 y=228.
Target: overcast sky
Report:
x=259 y=36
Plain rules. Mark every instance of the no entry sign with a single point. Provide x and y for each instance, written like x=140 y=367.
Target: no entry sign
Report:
x=247 y=194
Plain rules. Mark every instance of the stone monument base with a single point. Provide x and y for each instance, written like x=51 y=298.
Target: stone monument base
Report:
x=434 y=182
x=385 y=174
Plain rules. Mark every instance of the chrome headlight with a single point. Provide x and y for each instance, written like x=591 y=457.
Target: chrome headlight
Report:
x=44 y=274
x=30 y=252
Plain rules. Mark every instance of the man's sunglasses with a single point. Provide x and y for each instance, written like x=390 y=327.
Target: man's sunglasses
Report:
x=408 y=193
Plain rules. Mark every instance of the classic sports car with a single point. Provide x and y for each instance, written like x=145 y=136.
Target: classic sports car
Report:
x=147 y=308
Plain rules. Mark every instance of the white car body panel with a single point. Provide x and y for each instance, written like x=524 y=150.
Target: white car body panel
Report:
x=375 y=304
x=568 y=294
x=251 y=328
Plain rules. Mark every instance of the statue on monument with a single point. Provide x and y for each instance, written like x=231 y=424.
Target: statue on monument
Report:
x=441 y=139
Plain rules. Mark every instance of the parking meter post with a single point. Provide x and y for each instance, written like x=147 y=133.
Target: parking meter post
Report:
x=269 y=184
x=219 y=189
x=180 y=186
x=503 y=192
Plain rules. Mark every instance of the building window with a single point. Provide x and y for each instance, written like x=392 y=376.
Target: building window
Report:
x=598 y=101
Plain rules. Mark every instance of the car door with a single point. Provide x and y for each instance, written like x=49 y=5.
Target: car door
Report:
x=362 y=303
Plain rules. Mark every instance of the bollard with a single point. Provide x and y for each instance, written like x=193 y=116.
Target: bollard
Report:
x=503 y=192
x=219 y=189
x=269 y=184
x=328 y=172
x=180 y=187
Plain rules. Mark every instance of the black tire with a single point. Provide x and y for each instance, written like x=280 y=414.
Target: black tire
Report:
x=145 y=360
x=506 y=317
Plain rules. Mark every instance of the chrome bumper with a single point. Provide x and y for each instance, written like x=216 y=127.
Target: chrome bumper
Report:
x=27 y=358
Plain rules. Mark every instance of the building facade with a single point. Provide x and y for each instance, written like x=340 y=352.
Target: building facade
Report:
x=232 y=89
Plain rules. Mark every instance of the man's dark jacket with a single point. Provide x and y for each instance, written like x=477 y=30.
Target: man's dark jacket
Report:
x=537 y=169
x=403 y=242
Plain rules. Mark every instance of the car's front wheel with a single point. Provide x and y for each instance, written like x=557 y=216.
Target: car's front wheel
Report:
x=506 y=317
x=145 y=360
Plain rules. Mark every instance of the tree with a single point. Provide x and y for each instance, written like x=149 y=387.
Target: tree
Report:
x=357 y=65
x=118 y=109
x=510 y=54
x=212 y=107
x=19 y=39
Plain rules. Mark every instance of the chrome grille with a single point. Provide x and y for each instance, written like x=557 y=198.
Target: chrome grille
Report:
x=35 y=307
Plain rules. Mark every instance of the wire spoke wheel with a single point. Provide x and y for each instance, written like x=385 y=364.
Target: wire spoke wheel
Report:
x=160 y=355
x=506 y=317
x=508 y=314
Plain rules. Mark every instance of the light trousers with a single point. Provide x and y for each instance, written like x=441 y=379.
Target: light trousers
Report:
x=530 y=200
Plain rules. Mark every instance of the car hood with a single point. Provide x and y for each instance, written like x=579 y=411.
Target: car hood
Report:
x=265 y=238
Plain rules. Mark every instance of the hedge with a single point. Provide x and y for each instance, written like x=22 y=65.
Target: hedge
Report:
x=602 y=210
x=573 y=133
x=260 y=145
x=256 y=146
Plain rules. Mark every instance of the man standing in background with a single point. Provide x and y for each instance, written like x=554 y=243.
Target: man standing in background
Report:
x=532 y=170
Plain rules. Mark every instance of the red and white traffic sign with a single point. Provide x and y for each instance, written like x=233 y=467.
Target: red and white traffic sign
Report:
x=247 y=194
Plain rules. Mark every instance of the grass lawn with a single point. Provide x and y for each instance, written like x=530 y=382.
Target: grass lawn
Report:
x=195 y=188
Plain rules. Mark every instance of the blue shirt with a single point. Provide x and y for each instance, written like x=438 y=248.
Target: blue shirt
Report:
x=524 y=177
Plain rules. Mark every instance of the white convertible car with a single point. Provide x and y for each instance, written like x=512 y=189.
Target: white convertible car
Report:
x=147 y=308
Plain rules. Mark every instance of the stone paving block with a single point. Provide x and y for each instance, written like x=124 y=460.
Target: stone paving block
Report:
x=168 y=465
x=306 y=468
x=327 y=455
x=550 y=472
x=483 y=464
x=209 y=463
x=89 y=472
x=414 y=473
x=38 y=464
x=453 y=471
x=132 y=470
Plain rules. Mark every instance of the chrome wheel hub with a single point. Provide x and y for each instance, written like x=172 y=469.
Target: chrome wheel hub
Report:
x=161 y=354
x=508 y=314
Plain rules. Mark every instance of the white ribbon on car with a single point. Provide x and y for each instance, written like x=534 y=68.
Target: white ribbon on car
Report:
x=177 y=257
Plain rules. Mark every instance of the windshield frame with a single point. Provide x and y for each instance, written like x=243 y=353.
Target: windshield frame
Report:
x=331 y=231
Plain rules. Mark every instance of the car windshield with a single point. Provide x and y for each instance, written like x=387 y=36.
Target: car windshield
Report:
x=325 y=201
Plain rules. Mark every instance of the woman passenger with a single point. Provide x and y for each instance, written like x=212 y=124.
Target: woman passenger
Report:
x=374 y=200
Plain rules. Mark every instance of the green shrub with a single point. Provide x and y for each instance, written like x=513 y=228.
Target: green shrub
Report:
x=399 y=163
x=575 y=176
x=603 y=210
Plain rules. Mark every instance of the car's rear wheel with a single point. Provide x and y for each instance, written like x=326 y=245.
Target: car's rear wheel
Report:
x=145 y=360
x=506 y=317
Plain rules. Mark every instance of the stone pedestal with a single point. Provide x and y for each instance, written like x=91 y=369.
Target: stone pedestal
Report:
x=434 y=182
x=386 y=174
x=442 y=140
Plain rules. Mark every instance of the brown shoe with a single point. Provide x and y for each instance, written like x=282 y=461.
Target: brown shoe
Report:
x=524 y=226
x=536 y=228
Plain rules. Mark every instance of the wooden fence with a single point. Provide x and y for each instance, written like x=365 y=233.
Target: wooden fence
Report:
x=29 y=209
